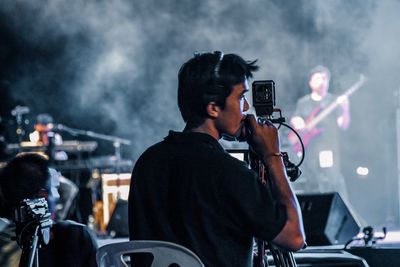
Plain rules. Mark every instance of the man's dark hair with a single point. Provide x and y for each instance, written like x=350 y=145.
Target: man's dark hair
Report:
x=206 y=78
x=23 y=177
x=319 y=68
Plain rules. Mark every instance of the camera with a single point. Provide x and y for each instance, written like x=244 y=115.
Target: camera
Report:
x=30 y=210
x=264 y=104
x=30 y=216
x=263 y=97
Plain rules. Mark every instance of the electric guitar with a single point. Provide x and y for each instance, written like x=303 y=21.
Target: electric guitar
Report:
x=317 y=115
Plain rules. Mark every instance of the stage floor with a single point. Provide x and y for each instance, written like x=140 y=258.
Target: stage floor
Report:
x=392 y=240
x=383 y=253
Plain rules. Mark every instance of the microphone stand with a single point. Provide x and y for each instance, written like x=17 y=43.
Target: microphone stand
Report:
x=117 y=142
x=32 y=235
x=30 y=251
x=17 y=112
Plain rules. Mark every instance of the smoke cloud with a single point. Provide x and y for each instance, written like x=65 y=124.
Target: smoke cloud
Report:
x=111 y=66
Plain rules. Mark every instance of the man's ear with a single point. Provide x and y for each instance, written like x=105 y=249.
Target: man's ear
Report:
x=213 y=109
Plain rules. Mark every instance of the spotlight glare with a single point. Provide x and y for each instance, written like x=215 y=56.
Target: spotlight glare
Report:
x=362 y=171
x=326 y=159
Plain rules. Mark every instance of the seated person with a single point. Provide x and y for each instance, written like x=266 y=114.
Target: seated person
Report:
x=28 y=176
x=68 y=191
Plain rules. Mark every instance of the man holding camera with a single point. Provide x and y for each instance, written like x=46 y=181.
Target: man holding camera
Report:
x=28 y=176
x=188 y=190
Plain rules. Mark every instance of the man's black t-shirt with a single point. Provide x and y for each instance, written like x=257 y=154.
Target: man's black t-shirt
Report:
x=188 y=190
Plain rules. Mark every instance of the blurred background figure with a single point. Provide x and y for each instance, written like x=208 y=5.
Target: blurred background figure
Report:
x=318 y=118
x=44 y=135
x=68 y=191
x=28 y=176
x=43 y=129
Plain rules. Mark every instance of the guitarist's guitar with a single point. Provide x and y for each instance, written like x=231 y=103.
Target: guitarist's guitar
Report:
x=317 y=115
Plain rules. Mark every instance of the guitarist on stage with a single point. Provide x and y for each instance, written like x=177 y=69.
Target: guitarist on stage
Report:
x=320 y=134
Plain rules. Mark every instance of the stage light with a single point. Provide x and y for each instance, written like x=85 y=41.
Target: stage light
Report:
x=326 y=159
x=362 y=171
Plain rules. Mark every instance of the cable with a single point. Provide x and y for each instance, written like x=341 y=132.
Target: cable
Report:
x=301 y=142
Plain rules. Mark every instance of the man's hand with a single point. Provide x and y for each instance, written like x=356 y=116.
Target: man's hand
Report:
x=263 y=139
x=343 y=121
x=298 y=123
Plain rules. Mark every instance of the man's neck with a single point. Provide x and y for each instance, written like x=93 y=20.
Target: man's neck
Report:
x=207 y=128
x=316 y=97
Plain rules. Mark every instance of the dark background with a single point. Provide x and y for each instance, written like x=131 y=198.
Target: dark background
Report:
x=111 y=67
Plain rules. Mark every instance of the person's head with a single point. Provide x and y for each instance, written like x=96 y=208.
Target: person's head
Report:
x=210 y=78
x=318 y=81
x=27 y=176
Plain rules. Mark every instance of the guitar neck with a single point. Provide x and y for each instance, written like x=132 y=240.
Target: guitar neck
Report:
x=322 y=115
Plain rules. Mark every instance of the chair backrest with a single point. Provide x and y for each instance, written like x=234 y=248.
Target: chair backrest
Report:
x=164 y=254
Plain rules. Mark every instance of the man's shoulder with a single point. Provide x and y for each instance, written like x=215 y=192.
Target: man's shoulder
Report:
x=182 y=143
x=71 y=227
x=74 y=232
x=330 y=97
x=154 y=151
x=305 y=98
x=231 y=165
x=70 y=224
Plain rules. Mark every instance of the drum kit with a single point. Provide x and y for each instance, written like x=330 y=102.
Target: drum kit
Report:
x=109 y=174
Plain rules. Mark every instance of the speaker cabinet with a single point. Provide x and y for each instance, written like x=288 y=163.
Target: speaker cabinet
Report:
x=327 y=219
x=378 y=256
x=118 y=224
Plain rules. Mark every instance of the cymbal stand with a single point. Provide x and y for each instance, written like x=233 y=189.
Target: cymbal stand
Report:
x=117 y=142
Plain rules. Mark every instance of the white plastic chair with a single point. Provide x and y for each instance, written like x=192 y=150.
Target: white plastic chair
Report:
x=164 y=253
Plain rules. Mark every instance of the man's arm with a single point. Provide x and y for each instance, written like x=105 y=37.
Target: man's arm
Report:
x=264 y=140
x=292 y=235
